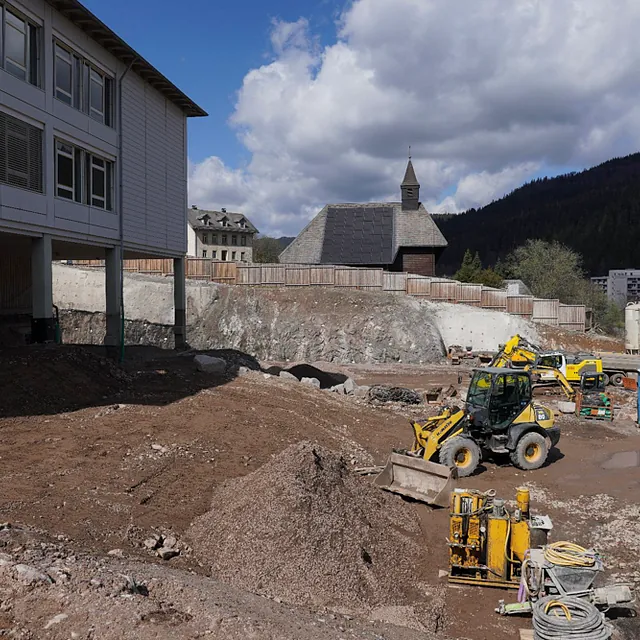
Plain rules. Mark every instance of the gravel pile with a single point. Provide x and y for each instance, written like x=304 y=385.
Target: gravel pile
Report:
x=305 y=529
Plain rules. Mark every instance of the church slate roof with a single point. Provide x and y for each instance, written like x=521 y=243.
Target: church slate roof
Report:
x=371 y=234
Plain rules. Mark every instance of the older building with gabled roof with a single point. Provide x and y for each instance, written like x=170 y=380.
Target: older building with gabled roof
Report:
x=220 y=235
x=397 y=236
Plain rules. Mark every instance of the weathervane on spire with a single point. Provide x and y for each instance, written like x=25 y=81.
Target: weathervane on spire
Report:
x=409 y=152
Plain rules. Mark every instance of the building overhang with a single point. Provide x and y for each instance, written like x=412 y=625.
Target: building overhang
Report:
x=77 y=13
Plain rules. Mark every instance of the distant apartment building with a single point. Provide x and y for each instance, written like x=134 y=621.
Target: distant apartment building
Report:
x=621 y=285
x=220 y=235
x=93 y=159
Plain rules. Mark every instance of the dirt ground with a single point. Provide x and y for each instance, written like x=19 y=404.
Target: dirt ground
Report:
x=96 y=458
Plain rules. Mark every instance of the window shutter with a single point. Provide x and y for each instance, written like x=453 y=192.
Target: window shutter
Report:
x=20 y=154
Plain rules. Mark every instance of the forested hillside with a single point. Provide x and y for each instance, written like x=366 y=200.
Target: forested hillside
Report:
x=595 y=212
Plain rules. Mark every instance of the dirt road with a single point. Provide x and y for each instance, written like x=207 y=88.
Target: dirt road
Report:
x=104 y=458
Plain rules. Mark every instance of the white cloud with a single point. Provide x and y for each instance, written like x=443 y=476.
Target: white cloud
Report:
x=486 y=94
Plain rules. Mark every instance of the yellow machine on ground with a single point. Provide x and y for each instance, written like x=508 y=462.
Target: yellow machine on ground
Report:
x=493 y=545
x=499 y=417
x=487 y=542
x=565 y=369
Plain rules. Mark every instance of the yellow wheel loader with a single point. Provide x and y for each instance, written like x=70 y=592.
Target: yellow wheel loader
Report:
x=499 y=416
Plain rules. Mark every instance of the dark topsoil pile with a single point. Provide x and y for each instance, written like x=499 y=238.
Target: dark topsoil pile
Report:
x=41 y=379
x=304 y=528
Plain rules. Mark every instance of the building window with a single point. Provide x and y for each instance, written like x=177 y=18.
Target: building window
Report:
x=234 y=240
x=65 y=182
x=82 y=86
x=205 y=238
x=224 y=255
x=204 y=253
x=99 y=182
x=21 y=54
x=20 y=154
x=233 y=255
x=242 y=256
x=214 y=254
x=214 y=238
x=224 y=239
x=243 y=241
x=83 y=177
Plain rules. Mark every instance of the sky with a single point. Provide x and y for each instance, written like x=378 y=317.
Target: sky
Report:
x=317 y=101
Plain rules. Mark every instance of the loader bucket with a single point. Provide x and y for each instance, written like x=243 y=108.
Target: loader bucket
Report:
x=418 y=479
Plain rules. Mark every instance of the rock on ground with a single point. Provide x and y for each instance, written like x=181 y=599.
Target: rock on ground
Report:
x=305 y=529
x=349 y=386
x=208 y=364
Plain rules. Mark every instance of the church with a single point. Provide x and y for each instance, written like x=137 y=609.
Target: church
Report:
x=395 y=236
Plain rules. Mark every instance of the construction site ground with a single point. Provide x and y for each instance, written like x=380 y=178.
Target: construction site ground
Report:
x=96 y=458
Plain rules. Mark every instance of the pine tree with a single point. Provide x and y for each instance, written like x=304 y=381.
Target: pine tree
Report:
x=467 y=269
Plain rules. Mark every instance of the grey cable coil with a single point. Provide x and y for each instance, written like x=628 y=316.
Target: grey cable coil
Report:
x=587 y=623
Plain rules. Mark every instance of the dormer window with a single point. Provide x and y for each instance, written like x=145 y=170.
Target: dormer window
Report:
x=224 y=222
x=206 y=220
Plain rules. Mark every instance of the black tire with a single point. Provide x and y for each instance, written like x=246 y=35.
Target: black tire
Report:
x=606 y=379
x=531 y=451
x=462 y=454
x=617 y=379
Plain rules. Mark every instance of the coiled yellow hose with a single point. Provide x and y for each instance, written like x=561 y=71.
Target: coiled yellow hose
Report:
x=568 y=554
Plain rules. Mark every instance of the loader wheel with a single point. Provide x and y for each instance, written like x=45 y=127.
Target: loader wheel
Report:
x=462 y=454
x=617 y=380
x=531 y=452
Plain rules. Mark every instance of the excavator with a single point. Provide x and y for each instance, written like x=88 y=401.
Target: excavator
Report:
x=520 y=353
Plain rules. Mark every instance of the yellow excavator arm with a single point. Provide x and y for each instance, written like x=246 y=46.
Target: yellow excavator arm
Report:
x=569 y=391
x=518 y=352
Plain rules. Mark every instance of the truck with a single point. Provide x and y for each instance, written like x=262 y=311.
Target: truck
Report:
x=617 y=366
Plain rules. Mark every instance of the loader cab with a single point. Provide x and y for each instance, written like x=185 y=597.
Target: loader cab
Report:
x=496 y=397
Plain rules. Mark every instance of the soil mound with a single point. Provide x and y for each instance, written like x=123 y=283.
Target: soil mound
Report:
x=304 y=528
x=42 y=380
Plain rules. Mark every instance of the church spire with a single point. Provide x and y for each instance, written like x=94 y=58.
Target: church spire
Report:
x=410 y=188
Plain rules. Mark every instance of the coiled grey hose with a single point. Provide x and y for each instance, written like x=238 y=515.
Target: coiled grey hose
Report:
x=550 y=621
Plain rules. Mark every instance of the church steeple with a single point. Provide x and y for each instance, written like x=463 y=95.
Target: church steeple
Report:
x=410 y=188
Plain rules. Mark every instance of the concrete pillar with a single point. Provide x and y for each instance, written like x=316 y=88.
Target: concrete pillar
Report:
x=113 y=274
x=180 y=302
x=43 y=327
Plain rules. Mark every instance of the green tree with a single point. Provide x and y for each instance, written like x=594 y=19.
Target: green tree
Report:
x=266 y=249
x=549 y=269
x=490 y=278
x=469 y=269
x=552 y=270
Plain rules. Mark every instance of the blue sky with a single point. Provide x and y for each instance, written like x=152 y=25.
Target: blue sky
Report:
x=208 y=49
x=489 y=95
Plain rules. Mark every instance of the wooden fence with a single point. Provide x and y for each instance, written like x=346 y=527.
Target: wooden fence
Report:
x=551 y=312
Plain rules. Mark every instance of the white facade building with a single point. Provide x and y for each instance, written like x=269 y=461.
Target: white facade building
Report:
x=220 y=235
x=621 y=285
x=93 y=157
